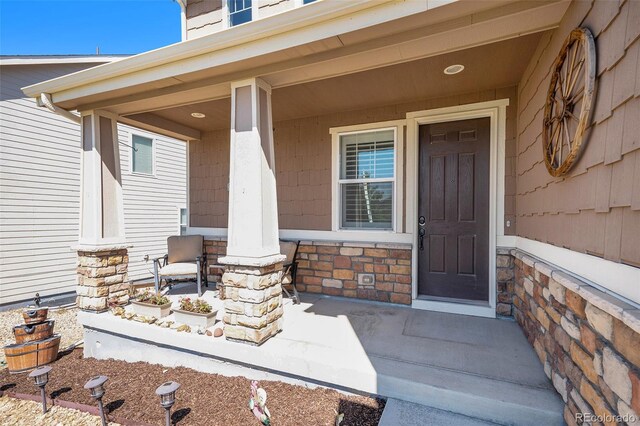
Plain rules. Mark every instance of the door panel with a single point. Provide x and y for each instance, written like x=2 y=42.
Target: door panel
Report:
x=454 y=202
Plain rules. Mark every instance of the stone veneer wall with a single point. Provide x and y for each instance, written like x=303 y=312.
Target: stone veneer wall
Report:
x=588 y=341
x=102 y=279
x=332 y=268
x=505 y=282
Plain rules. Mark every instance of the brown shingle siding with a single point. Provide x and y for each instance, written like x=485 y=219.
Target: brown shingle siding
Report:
x=596 y=208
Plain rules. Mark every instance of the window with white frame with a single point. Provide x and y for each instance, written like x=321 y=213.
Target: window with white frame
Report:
x=367 y=179
x=239 y=12
x=183 y=221
x=142 y=155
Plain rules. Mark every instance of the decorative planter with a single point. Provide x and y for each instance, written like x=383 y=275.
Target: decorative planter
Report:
x=34 y=315
x=23 y=357
x=29 y=333
x=195 y=319
x=151 y=310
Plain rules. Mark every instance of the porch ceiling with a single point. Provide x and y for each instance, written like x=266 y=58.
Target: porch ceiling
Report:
x=486 y=67
x=320 y=41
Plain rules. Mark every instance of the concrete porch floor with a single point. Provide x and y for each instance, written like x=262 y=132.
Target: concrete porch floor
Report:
x=478 y=367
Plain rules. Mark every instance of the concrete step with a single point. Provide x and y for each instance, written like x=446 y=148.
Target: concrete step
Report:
x=474 y=396
x=397 y=412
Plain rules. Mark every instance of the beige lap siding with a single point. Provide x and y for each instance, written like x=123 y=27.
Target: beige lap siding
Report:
x=584 y=339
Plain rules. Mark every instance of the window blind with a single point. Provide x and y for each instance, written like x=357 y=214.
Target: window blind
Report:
x=367 y=180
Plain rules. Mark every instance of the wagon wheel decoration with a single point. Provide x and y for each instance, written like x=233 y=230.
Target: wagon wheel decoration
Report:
x=569 y=102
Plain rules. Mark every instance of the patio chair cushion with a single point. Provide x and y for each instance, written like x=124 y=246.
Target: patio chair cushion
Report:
x=288 y=248
x=184 y=248
x=176 y=269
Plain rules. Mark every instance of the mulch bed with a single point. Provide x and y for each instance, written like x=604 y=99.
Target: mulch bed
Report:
x=203 y=399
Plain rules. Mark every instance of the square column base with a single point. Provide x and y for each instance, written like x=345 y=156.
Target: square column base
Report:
x=252 y=302
x=102 y=279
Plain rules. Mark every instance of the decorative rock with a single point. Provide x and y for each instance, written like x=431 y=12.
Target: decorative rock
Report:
x=557 y=291
x=217 y=332
x=560 y=383
x=209 y=333
x=571 y=329
x=616 y=375
x=184 y=327
x=601 y=321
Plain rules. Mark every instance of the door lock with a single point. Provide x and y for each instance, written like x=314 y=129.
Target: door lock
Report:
x=421 y=234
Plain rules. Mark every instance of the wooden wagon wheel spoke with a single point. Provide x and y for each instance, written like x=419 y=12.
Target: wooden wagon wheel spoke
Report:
x=569 y=102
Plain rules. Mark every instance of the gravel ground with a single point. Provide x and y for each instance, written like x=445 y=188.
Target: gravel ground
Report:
x=203 y=399
x=18 y=412
x=66 y=325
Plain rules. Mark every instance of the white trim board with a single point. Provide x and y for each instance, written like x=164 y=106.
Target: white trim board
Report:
x=497 y=112
x=398 y=195
x=381 y=237
x=612 y=277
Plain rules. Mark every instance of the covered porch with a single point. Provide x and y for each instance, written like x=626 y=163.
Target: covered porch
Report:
x=481 y=368
x=263 y=109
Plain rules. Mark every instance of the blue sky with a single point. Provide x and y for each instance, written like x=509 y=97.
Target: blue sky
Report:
x=50 y=27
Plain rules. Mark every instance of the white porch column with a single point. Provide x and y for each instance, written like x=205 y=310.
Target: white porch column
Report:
x=251 y=282
x=102 y=249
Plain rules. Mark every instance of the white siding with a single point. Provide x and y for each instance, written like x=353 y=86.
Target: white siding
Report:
x=40 y=187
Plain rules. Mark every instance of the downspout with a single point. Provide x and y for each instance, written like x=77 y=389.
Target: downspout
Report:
x=183 y=18
x=45 y=100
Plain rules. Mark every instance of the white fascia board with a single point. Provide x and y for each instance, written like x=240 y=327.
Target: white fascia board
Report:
x=296 y=27
x=44 y=60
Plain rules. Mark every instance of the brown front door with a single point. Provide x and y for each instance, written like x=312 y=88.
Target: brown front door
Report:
x=453 y=210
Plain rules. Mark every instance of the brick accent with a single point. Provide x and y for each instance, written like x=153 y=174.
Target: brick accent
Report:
x=252 y=302
x=334 y=268
x=102 y=279
x=590 y=355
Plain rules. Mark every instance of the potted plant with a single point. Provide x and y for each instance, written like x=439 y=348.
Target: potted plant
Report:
x=152 y=305
x=197 y=313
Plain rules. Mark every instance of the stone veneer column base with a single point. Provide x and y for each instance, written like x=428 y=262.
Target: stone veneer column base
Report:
x=252 y=302
x=102 y=279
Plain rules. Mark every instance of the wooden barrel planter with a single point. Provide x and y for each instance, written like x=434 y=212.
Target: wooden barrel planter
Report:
x=33 y=315
x=23 y=357
x=29 y=333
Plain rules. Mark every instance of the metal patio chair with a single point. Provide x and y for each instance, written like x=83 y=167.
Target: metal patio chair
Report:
x=185 y=258
x=290 y=268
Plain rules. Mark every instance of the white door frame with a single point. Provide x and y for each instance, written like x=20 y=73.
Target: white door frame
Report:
x=496 y=111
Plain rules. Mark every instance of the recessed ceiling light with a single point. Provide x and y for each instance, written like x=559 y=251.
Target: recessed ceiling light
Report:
x=453 y=69
x=198 y=115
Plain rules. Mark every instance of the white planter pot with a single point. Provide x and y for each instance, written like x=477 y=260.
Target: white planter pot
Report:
x=150 y=310
x=195 y=319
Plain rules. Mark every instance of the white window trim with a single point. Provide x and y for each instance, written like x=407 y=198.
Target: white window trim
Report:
x=154 y=144
x=398 y=187
x=180 y=225
x=226 y=18
x=497 y=112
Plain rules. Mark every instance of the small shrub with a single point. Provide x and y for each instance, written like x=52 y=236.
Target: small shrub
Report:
x=198 y=306
x=152 y=298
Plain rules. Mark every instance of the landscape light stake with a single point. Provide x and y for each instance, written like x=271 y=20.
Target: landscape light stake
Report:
x=41 y=377
x=96 y=386
x=167 y=393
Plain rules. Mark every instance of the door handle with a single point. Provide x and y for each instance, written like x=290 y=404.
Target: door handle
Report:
x=421 y=232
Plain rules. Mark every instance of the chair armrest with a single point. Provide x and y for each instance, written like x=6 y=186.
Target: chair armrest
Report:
x=164 y=258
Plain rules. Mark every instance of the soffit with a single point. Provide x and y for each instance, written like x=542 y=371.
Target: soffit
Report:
x=486 y=67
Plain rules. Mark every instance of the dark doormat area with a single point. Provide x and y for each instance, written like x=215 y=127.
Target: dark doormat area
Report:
x=203 y=399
